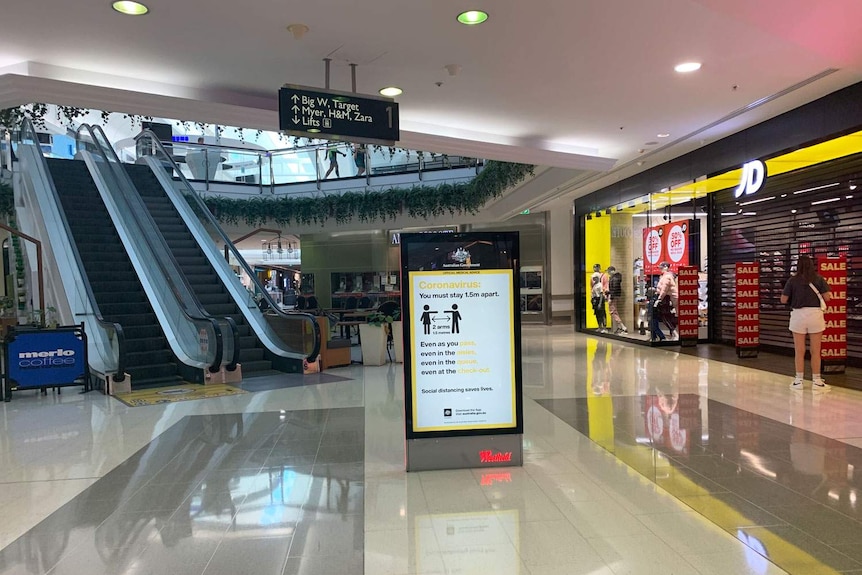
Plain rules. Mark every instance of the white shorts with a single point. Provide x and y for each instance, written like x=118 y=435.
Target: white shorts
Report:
x=807 y=320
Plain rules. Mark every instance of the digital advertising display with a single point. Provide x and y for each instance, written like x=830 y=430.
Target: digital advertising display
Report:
x=462 y=330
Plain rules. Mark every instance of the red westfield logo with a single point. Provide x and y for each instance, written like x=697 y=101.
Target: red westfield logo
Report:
x=488 y=456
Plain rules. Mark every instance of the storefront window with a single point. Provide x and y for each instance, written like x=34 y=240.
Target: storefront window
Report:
x=767 y=212
x=633 y=253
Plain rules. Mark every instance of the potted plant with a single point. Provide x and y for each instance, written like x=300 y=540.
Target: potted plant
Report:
x=7 y=312
x=51 y=319
x=373 y=337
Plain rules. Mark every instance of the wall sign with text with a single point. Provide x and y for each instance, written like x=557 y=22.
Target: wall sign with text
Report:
x=833 y=348
x=747 y=310
x=687 y=283
x=667 y=242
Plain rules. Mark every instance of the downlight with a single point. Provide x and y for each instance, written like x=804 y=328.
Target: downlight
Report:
x=472 y=17
x=130 y=8
x=391 y=91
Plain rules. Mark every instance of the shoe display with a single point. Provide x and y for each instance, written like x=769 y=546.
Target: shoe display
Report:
x=797 y=384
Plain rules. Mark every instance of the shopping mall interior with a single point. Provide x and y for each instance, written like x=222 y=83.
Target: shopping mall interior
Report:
x=232 y=415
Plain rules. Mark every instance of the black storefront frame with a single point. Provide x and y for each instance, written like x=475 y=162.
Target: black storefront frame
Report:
x=827 y=118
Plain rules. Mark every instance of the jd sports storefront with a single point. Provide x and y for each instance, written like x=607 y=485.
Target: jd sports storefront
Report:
x=730 y=220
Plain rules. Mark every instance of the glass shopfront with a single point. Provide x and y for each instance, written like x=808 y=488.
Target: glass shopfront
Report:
x=767 y=211
x=633 y=252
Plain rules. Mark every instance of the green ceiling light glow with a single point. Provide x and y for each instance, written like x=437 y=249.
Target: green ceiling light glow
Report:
x=391 y=91
x=130 y=8
x=472 y=17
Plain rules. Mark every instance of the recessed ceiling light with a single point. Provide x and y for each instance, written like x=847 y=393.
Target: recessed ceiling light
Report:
x=130 y=8
x=472 y=17
x=662 y=135
x=687 y=67
x=391 y=91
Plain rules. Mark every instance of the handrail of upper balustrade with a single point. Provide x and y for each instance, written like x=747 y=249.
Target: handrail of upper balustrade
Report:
x=267 y=169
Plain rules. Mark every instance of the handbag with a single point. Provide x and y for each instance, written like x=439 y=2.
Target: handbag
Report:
x=820 y=297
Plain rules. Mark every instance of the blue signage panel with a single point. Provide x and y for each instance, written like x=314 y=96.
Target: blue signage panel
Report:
x=46 y=357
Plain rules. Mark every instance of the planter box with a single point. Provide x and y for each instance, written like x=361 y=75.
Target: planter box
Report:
x=398 y=341
x=373 y=338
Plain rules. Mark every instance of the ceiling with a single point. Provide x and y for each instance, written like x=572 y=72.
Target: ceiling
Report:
x=580 y=85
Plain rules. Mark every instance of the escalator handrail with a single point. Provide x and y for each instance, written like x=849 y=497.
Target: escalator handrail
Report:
x=102 y=147
x=27 y=127
x=204 y=210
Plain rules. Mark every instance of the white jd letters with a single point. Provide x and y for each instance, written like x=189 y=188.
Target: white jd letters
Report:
x=753 y=175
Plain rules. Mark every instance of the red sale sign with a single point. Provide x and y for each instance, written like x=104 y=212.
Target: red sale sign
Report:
x=666 y=243
x=747 y=309
x=834 y=344
x=687 y=308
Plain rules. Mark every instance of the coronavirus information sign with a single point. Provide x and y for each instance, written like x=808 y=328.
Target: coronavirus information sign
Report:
x=462 y=341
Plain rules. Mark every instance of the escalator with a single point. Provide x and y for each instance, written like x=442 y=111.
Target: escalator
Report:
x=114 y=282
x=199 y=273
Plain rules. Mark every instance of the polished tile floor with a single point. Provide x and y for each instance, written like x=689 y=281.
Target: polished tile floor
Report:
x=637 y=461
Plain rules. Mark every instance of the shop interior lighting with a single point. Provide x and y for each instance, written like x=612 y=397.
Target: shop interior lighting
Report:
x=130 y=8
x=829 y=201
x=472 y=17
x=391 y=91
x=814 y=189
x=757 y=201
x=687 y=67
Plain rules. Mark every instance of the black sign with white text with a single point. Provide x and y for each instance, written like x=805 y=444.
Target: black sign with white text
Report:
x=326 y=114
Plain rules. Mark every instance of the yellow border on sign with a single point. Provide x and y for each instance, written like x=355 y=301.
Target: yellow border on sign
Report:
x=411 y=276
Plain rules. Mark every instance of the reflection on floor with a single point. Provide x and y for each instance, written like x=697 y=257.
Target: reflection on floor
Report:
x=652 y=462
x=787 y=493
x=229 y=493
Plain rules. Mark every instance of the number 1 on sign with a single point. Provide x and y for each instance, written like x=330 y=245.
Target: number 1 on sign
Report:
x=389 y=114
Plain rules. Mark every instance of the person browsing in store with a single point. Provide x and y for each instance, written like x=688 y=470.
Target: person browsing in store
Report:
x=614 y=295
x=667 y=299
x=598 y=288
x=807 y=293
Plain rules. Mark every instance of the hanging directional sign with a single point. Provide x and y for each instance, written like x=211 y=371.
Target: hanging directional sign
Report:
x=327 y=114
